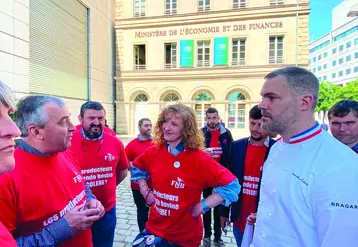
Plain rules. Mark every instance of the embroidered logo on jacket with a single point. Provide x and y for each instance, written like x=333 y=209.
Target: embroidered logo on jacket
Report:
x=179 y=184
x=109 y=157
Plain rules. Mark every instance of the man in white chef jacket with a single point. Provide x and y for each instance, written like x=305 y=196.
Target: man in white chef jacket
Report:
x=309 y=188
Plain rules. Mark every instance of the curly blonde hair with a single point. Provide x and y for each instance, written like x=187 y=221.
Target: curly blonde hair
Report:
x=192 y=136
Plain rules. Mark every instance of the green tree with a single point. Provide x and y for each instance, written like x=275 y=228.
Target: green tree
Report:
x=349 y=92
x=327 y=97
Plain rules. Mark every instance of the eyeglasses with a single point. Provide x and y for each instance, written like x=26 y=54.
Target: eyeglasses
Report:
x=339 y=124
x=84 y=147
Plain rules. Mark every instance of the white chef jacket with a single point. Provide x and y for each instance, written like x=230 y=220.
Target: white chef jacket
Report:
x=309 y=194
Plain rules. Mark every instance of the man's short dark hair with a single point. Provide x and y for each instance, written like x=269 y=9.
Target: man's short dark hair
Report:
x=91 y=105
x=343 y=108
x=300 y=81
x=211 y=110
x=140 y=122
x=255 y=113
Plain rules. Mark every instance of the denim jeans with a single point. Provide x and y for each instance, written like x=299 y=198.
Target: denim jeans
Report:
x=103 y=229
x=238 y=236
x=142 y=209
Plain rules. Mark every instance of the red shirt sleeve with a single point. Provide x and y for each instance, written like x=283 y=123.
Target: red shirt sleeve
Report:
x=123 y=161
x=213 y=174
x=8 y=202
x=142 y=161
x=129 y=151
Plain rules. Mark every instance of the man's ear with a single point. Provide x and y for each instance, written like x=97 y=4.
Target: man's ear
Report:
x=306 y=102
x=35 y=132
x=80 y=119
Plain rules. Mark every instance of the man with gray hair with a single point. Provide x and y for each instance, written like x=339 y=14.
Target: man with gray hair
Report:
x=8 y=131
x=44 y=201
x=309 y=178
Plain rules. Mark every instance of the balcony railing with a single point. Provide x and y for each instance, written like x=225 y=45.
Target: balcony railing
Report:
x=170 y=11
x=276 y=2
x=139 y=67
x=238 y=62
x=203 y=64
x=170 y=66
x=276 y=60
x=139 y=14
x=239 y=5
x=204 y=8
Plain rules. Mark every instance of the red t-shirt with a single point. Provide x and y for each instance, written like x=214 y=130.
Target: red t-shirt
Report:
x=6 y=240
x=105 y=130
x=133 y=150
x=215 y=145
x=100 y=161
x=178 y=182
x=39 y=191
x=254 y=160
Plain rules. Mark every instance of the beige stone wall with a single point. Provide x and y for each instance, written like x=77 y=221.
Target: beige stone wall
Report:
x=14 y=45
x=14 y=52
x=156 y=81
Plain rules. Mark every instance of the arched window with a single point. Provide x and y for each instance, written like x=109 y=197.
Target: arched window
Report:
x=236 y=110
x=141 y=98
x=171 y=97
x=201 y=106
x=203 y=97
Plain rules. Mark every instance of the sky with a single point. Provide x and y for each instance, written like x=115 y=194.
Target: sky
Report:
x=320 y=19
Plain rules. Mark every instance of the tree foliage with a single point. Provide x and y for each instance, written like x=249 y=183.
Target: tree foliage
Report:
x=330 y=93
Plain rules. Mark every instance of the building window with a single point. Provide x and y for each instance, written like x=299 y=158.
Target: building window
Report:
x=356 y=69
x=314 y=70
x=348 y=58
x=203 y=5
x=203 y=54
x=139 y=57
x=341 y=48
x=340 y=73
x=276 y=2
x=141 y=98
x=238 y=51
x=319 y=57
x=334 y=62
x=334 y=51
x=349 y=44
x=309 y=61
x=356 y=41
x=202 y=104
x=170 y=55
x=171 y=97
x=348 y=71
x=356 y=55
x=314 y=59
x=319 y=68
x=236 y=110
x=171 y=7
x=333 y=75
x=276 y=49
x=319 y=78
x=341 y=60
x=237 y=4
x=324 y=66
x=325 y=54
x=325 y=78
x=139 y=8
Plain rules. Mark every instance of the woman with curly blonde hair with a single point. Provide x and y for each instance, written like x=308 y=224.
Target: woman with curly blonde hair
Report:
x=180 y=170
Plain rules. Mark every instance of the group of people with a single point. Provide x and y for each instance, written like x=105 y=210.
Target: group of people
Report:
x=297 y=190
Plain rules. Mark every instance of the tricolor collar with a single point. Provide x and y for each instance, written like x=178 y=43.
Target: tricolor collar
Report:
x=85 y=137
x=141 y=140
x=307 y=134
x=179 y=148
x=355 y=148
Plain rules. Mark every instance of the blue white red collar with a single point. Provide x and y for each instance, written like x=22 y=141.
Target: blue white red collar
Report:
x=307 y=134
x=355 y=148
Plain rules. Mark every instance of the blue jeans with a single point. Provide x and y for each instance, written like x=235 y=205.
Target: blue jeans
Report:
x=103 y=229
x=238 y=236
